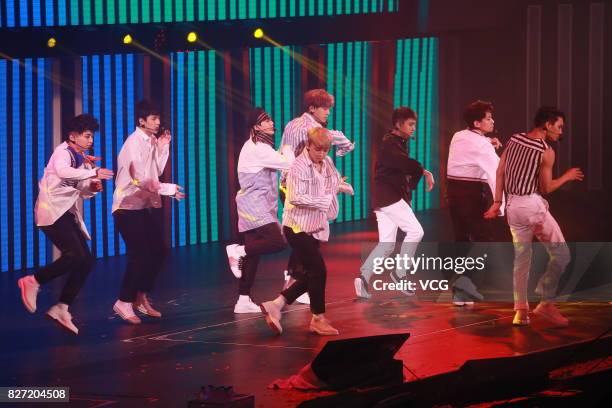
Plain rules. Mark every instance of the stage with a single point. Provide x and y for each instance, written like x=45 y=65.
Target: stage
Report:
x=200 y=341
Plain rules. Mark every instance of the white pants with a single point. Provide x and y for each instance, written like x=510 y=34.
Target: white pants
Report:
x=390 y=218
x=528 y=216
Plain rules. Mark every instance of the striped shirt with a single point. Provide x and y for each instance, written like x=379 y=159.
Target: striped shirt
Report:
x=296 y=135
x=522 y=170
x=311 y=197
x=257 y=199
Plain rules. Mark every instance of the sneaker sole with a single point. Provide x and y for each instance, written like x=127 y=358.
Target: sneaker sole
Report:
x=28 y=307
x=320 y=333
x=358 y=289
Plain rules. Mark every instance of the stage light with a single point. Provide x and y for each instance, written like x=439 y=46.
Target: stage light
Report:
x=258 y=33
x=127 y=39
x=51 y=42
x=192 y=37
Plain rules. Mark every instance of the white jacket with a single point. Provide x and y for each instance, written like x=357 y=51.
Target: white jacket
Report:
x=62 y=188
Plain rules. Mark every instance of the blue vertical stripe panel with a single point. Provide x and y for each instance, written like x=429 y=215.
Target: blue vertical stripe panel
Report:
x=95 y=98
x=212 y=147
x=173 y=64
x=86 y=109
x=42 y=142
x=107 y=139
x=23 y=13
x=30 y=183
x=35 y=13
x=191 y=160
x=61 y=12
x=10 y=13
x=16 y=166
x=4 y=231
x=49 y=14
x=203 y=170
x=120 y=129
x=180 y=135
x=131 y=98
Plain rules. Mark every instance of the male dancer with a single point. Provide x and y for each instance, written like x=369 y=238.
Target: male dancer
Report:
x=69 y=177
x=525 y=172
x=317 y=103
x=312 y=185
x=396 y=175
x=257 y=204
x=140 y=163
x=472 y=163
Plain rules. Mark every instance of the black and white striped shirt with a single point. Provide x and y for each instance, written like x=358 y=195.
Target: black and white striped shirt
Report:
x=522 y=170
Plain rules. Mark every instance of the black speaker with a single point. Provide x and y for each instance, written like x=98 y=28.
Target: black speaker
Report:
x=360 y=362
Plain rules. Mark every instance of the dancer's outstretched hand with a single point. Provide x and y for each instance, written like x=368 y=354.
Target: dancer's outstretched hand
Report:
x=179 y=195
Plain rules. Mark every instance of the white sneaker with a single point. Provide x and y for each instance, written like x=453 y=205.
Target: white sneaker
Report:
x=29 y=291
x=361 y=289
x=62 y=316
x=273 y=316
x=235 y=257
x=246 y=305
x=303 y=299
x=125 y=311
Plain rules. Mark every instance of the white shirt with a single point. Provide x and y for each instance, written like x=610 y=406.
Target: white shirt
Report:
x=62 y=188
x=472 y=157
x=140 y=163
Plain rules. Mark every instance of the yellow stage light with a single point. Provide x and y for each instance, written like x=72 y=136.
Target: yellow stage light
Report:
x=192 y=37
x=127 y=39
x=51 y=42
x=259 y=33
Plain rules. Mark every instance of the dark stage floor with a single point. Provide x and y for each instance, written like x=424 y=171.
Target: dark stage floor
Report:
x=200 y=341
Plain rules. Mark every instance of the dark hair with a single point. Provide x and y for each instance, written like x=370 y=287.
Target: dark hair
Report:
x=319 y=98
x=402 y=114
x=476 y=111
x=80 y=124
x=547 y=114
x=144 y=109
x=252 y=116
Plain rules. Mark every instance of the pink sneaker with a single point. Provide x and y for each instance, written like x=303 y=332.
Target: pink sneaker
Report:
x=29 y=291
x=549 y=312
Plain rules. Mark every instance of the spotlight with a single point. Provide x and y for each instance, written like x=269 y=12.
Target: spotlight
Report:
x=192 y=37
x=258 y=33
x=51 y=42
x=127 y=39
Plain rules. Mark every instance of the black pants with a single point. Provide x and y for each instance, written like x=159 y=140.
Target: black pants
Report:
x=314 y=278
x=266 y=239
x=76 y=259
x=146 y=251
x=468 y=201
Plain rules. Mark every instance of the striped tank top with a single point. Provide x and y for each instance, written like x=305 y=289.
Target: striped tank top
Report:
x=523 y=158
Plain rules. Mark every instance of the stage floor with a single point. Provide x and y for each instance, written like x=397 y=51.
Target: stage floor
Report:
x=200 y=341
